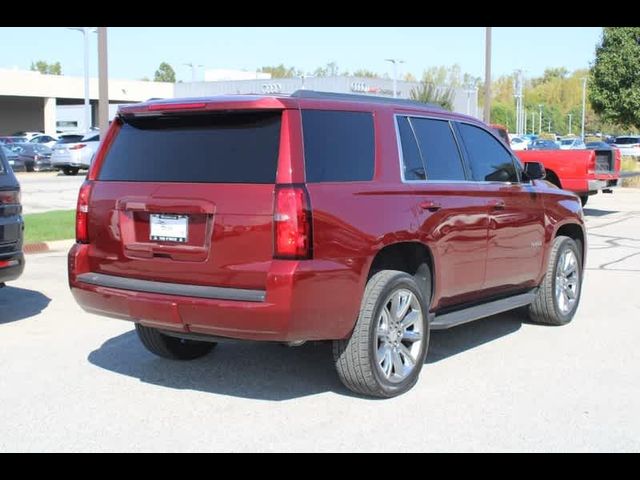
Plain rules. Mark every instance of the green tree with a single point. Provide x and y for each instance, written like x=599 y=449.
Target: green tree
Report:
x=165 y=73
x=614 y=86
x=429 y=92
x=363 y=72
x=46 y=68
x=280 y=71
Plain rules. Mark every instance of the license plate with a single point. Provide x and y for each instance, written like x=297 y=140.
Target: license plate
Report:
x=168 y=228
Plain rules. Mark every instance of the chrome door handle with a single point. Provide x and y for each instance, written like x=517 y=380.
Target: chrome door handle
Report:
x=430 y=205
x=497 y=204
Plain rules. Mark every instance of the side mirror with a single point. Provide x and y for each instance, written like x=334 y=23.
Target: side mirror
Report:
x=534 y=170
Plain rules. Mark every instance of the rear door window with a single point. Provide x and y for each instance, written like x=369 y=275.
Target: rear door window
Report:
x=439 y=149
x=488 y=158
x=338 y=146
x=227 y=147
x=412 y=165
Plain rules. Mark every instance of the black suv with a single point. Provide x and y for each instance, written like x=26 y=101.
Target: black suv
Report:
x=11 y=225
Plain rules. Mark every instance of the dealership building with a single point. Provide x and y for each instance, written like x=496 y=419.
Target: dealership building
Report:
x=31 y=101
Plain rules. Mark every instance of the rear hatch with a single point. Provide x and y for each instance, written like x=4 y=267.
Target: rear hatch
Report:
x=61 y=151
x=187 y=198
x=10 y=210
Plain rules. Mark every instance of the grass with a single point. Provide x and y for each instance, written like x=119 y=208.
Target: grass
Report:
x=48 y=226
x=630 y=164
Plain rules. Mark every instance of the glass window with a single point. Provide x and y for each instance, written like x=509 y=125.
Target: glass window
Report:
x=488 y=158
x=338 y=146
x=439 y=149
x=207 y=148
x=412 y=167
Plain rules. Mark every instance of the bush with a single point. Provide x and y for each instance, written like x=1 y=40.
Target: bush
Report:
x=630 y=164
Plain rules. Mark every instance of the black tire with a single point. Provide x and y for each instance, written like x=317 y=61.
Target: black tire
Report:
x=584 y=199
x=70 y=170
x=29 y=168
x=172 y=347
x=355 y=357
x=544 y=309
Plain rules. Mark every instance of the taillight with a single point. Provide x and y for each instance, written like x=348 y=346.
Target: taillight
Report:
x=10 y=198
x=105 y=144
x=78 y=146
x=292 y=223
x=176 y=106
x=591 y=164
x=618 y=160
x=82 y=212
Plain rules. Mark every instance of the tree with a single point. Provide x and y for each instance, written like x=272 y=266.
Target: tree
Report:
x=46 y=68
x=614 y=86
x=363 y=72
x=280 y=71
x=165 y=73
x=429 y=92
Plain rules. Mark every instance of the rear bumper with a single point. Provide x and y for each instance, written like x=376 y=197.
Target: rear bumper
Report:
x=303 y=300
x=11 y=267
x=590 y=185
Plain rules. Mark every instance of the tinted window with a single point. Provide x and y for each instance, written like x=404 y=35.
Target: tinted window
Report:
x=488 y=158
x=69 y=139
x=93 y=137
x=212 y=148
x=438 y=148
x=627 y=140
x=338 y=146
x=2 y=168
x=412 y=167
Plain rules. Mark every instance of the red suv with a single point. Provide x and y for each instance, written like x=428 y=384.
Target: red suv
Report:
x=359 y=220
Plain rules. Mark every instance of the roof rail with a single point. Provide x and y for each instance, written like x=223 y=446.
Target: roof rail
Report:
x=362 y=98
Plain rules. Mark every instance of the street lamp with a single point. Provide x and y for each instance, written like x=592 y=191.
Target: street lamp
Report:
x=395 y=62
x=584 y=91
x=193 y=70
x=87 y=106
x=540 y=120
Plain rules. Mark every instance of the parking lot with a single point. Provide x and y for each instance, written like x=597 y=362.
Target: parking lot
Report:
x=46 y=191
x=72 y=381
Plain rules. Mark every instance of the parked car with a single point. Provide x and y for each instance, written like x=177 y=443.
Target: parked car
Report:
x=73 y=152
x=598 y=146
x=572 y=144
x=629 y=145
x=318 y=217
x=35 y=157
x=46 y=140
x=13 y=159
x=11 y=141
x=27 y=135
x=519 y=143
x=543 y=145
x=11 y=225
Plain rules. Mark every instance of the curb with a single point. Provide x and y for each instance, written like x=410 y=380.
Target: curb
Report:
x=44 y=247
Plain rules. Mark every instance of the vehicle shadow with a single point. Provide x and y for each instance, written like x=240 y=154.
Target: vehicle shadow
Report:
x=594 y=212
x=268 y=371
x=20 y=303
x=447 y=343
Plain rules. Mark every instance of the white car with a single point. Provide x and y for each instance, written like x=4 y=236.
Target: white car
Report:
x=47 y=140
x=628 y=145
x=74 y=152
x=572 y=144
x=519 y=143
x=27 y=135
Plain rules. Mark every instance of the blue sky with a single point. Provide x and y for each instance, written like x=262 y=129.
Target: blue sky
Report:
x=136 y=52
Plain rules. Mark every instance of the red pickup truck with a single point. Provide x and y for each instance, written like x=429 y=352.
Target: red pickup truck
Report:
x=584 y=172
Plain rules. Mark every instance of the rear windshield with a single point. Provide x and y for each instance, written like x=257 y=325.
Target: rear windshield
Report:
x=198 y=148
x=69 y=139
x=627 y=140
x=2 y=169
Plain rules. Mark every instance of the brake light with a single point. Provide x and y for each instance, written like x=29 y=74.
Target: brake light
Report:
x=82 y=212
x=103 y=149
x=591 y=164
x=10 y=198
x=618 y=160
x=176 y=106
x=78 y=146
x=292 y=223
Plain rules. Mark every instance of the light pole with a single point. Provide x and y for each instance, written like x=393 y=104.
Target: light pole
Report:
x=395 y=62
x=584 y=91
x=87 y=106
x=193 y=70
x=540 y=120
x=570 y=115
x=487 y=75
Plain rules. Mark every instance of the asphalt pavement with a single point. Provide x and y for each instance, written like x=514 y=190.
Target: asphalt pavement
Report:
x=72 y=381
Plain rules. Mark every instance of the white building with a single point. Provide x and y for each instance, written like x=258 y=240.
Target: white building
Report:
x=220 y=74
